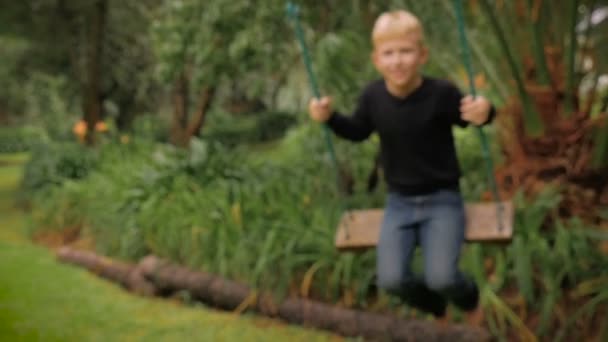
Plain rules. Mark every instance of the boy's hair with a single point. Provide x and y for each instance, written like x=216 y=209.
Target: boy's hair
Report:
x=397 y=23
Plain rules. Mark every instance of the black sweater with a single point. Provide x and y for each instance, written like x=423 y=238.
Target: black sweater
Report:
x=418 y=153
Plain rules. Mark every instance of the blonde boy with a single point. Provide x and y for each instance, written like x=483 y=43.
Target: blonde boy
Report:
x=413 y=115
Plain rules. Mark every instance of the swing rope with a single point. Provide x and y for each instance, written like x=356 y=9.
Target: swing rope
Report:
x=466 y=57
x=293 y=12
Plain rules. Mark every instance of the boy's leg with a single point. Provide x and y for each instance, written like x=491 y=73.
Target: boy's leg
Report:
x=442 y=237
x=398 y=238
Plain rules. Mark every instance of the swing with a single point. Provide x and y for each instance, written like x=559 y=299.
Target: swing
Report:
x=485 y=222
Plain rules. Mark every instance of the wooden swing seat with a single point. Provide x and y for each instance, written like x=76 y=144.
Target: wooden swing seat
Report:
x=360 y=229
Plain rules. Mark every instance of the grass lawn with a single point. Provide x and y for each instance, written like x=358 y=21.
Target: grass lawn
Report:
x=43 y=300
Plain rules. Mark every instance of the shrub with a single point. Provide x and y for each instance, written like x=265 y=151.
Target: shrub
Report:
x=54 y=162
x=249 y=129
x=19 y=139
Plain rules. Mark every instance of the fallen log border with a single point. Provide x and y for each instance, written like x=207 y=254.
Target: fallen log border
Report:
x=153 y=276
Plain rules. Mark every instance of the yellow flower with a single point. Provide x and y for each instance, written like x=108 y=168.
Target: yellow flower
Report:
x=236 y=213
x=306 y=200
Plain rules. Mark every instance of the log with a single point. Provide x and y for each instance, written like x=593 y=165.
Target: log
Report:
x=346 y=322
x=205 y=287
x=127 y=275
x=153 y=275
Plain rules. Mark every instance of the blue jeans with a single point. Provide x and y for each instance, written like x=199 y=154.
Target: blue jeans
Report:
x=436 y=222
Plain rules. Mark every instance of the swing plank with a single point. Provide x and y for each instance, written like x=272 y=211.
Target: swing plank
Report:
x=360 y=229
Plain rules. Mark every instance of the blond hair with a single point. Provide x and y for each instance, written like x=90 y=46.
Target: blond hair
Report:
x=397 y=23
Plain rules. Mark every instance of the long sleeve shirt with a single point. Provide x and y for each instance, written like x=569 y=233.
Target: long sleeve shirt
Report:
x=417 y=144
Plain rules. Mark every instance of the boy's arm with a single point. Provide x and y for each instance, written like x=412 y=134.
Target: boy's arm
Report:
x=356 y=127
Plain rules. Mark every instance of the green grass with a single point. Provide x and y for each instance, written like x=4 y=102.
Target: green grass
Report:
x=43 y=300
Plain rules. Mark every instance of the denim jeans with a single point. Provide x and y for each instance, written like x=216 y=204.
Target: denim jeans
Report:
x=436 y=222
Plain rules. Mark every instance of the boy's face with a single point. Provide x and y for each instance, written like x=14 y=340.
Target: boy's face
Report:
x=399 y=59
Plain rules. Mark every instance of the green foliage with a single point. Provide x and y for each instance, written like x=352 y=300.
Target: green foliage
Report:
x=47 y=45
x=46 y=107
x=474 y=179
x=151 y=127
x=255 y=128
x=53 y=163
x=13 y=51
x=19 y=139
x=187 y=35
x=205 y=209
x=544 y=263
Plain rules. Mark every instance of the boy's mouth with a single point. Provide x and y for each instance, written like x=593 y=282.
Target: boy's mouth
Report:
x=398 y=74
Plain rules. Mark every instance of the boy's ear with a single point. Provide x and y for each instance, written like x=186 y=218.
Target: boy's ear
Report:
x=425 y=54
x=374 y=57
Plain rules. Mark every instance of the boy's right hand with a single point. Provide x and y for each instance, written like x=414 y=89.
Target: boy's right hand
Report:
x=320 y=109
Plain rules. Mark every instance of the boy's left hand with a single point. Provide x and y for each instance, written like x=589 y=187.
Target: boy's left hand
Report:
x=475 y=109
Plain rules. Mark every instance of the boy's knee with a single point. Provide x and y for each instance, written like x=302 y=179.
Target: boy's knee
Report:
x=390 y=282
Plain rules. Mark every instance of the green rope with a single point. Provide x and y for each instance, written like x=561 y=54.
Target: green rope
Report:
x=466 y=56
x=293 y=12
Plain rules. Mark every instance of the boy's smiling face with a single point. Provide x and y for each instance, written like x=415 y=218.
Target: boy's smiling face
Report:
x=399 y=58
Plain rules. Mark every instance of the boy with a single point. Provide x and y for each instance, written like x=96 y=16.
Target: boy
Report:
x=413 y=116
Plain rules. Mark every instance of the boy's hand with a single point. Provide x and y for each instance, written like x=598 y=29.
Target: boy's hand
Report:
x=320 y=109
x=475 y=110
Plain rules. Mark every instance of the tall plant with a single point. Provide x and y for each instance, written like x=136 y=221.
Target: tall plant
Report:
x=553 y=127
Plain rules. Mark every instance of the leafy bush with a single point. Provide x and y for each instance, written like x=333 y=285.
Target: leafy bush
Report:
x=549 y=262
x=221 y=211
x=474 y=179
x=49 y=103
x=19 y=139
x=53 y=163
x=151 y=127
x=249 y=129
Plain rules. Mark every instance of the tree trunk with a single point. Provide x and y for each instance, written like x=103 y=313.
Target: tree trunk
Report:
x=94 y=63
x=198 y=121
x=184 y=127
